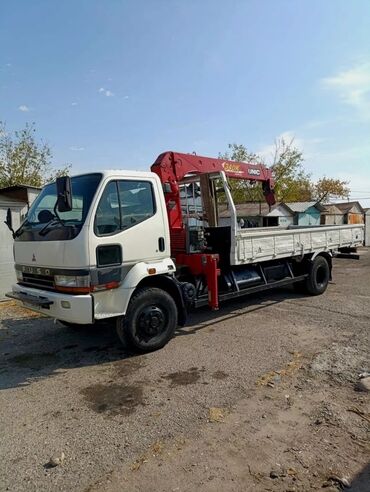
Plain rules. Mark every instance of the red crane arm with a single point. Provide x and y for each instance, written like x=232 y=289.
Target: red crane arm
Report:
x=172 y=167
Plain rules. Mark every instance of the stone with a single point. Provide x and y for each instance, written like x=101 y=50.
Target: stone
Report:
x=56 y=460
x=363 y=384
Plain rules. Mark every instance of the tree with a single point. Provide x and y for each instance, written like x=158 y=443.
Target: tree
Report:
x=326 y=188
x=23 y=160
x=292 y=182
x=242 y=191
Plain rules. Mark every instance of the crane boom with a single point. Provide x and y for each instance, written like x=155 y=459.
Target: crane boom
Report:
x=172 y=167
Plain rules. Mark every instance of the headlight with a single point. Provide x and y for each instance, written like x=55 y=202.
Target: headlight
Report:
x=19 y=275
x=79 y=284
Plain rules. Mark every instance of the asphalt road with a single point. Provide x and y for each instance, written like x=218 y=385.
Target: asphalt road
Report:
x=80 y=393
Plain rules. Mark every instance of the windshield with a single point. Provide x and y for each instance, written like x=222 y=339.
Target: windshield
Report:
x=42 y=224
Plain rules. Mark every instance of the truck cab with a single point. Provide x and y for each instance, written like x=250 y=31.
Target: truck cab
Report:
x=83 y=265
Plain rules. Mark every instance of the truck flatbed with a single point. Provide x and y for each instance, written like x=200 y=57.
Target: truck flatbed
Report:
x=265 y=244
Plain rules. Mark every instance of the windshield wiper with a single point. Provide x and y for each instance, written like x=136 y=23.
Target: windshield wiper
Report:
x=55 y=220
x=20 y=230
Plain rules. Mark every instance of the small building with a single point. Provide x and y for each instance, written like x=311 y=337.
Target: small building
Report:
x=352 y=212
x=305 y=213
x=22 y=193
x=18 y=199
x=259 y=214
x=367 y=226
x=331 y=215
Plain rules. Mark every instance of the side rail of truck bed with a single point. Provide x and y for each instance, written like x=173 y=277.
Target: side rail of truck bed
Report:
x=265 y=244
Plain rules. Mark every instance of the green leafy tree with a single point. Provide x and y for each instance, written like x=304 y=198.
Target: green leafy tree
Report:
x=24 y=160
x=326 y=188
x=292 y=182
x=242 y=191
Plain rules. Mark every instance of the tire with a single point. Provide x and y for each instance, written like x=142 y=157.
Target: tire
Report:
x=319 y=276
x=150 y=321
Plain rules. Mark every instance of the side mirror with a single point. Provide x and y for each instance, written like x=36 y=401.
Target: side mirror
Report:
x=64 y=194
x=9 y=220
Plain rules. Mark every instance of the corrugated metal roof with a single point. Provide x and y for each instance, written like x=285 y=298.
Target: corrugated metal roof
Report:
x=8 y=201
x=251 y=209
x=300 y=206
x=331 y=208
x=346 y=206
x=19 y=187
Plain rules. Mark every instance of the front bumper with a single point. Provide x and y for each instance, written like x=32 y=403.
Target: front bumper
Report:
x=71 y=308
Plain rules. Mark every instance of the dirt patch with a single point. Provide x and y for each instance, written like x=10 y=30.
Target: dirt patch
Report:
x=17 y=310
x=127 y=367
x=36 y=361
x=220 y=375
x=340 y=363
x=182 y=378
x=113 y=399
x=273 y=377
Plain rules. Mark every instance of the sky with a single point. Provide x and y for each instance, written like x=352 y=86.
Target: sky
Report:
x=113 y=84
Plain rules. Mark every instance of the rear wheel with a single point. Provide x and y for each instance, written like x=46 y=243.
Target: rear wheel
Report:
x=318 y=278
x=150 y=321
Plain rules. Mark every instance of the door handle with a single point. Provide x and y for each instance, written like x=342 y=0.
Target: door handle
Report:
x=161 y=244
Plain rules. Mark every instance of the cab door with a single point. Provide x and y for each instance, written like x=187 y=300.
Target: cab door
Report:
x=130 y=215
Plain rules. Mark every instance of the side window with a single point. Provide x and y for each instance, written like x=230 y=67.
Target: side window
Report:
x=137 y=202
x=107 y=219
x=122 y=205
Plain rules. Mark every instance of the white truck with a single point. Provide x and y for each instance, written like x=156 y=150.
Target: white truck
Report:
x=127 y=246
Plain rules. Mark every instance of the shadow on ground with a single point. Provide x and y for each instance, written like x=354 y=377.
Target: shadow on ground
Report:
x=361 y=483
x=35 y=348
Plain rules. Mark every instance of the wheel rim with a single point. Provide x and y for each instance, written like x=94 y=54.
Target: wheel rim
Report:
x=152 y=322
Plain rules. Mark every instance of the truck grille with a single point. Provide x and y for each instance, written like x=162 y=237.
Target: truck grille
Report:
x=41 y=281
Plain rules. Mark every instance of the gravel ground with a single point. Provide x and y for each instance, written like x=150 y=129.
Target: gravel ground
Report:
x=263 y=387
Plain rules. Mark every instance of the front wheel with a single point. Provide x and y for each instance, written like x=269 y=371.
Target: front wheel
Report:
x=150 y=321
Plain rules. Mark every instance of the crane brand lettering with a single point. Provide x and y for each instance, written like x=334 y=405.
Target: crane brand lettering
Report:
x=254 y=172
x=232 y=168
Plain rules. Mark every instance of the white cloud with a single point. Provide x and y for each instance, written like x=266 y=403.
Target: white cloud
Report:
x=23 y=108
x=74 y=104
x=353 y=87
x=77 y=149
x=106 y=92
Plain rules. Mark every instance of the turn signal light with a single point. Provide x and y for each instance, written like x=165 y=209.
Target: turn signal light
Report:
x=108 y=286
